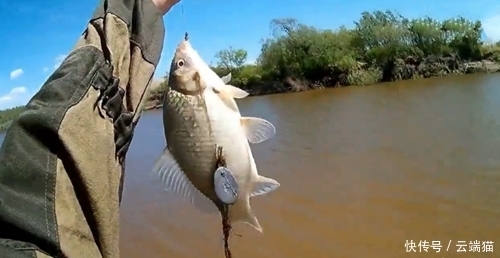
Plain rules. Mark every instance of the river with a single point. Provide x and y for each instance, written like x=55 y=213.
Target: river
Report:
x=363 y=170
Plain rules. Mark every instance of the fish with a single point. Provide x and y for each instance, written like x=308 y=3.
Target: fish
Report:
x=200 y=115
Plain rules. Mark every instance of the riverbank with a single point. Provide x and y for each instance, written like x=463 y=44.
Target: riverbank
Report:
x=382 y=46
x=412 y=70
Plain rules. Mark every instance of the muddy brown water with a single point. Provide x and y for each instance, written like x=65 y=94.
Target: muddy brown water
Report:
x=363 y=170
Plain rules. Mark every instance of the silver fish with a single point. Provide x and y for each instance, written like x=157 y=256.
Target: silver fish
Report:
x=199 y=115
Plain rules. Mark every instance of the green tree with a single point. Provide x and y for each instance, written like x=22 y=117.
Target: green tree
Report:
x=231 y=59
x=7 y=115
x=382 y=46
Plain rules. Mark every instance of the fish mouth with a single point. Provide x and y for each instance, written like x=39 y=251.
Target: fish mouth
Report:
x=191 y=84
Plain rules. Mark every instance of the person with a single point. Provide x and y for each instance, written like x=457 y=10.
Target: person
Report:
x=62 y=160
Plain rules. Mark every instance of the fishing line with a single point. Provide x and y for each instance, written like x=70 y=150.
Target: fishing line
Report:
x=224 y=209
x=186 y=36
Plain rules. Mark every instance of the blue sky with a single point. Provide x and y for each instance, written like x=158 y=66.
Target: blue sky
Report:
x=38 y=34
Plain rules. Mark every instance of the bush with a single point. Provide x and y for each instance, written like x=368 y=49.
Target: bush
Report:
x=383 y=46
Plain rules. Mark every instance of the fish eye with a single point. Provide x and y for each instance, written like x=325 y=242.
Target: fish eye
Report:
x=180 y=63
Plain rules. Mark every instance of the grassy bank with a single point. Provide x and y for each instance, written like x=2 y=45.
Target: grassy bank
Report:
x=7 y=115
x=381 y=46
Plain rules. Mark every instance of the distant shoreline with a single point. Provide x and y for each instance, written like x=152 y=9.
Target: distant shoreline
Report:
x=155 y=100
x=483 y=67
x=383 y=46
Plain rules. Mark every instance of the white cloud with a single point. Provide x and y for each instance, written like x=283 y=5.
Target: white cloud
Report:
x=17 y=96
x=58 y=60
x=491 y=26
x=16 y=73
x=18 y=90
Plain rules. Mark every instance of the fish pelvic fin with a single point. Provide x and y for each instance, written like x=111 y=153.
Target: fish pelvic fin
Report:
x=241 y=211
x=264 y=185
x=176 y=182
x=257 y=130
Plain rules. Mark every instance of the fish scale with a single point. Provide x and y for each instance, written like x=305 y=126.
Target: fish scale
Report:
x=189 y=129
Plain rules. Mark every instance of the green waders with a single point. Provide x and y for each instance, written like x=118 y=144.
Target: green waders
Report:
x=62 y=161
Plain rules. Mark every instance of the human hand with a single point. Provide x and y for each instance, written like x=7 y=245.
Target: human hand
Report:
x=165 y=5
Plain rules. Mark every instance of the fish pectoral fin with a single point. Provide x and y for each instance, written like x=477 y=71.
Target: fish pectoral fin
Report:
x=241 y=212
x=226 y=79
x=230 y=91
x=176 y=182
x=257 y=130
x=264 y=185
x=227 y=99
x=235 y=92
x=229 y=102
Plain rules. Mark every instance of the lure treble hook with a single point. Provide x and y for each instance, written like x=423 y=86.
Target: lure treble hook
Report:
x=186 y=36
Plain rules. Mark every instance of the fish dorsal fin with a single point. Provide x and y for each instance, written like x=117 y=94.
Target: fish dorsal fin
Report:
x=176 y=182
x=257 y=130
x=240 y=211
x=264 y=185
x=226 y=79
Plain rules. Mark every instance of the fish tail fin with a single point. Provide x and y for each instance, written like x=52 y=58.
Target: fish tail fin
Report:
x=241 y=211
